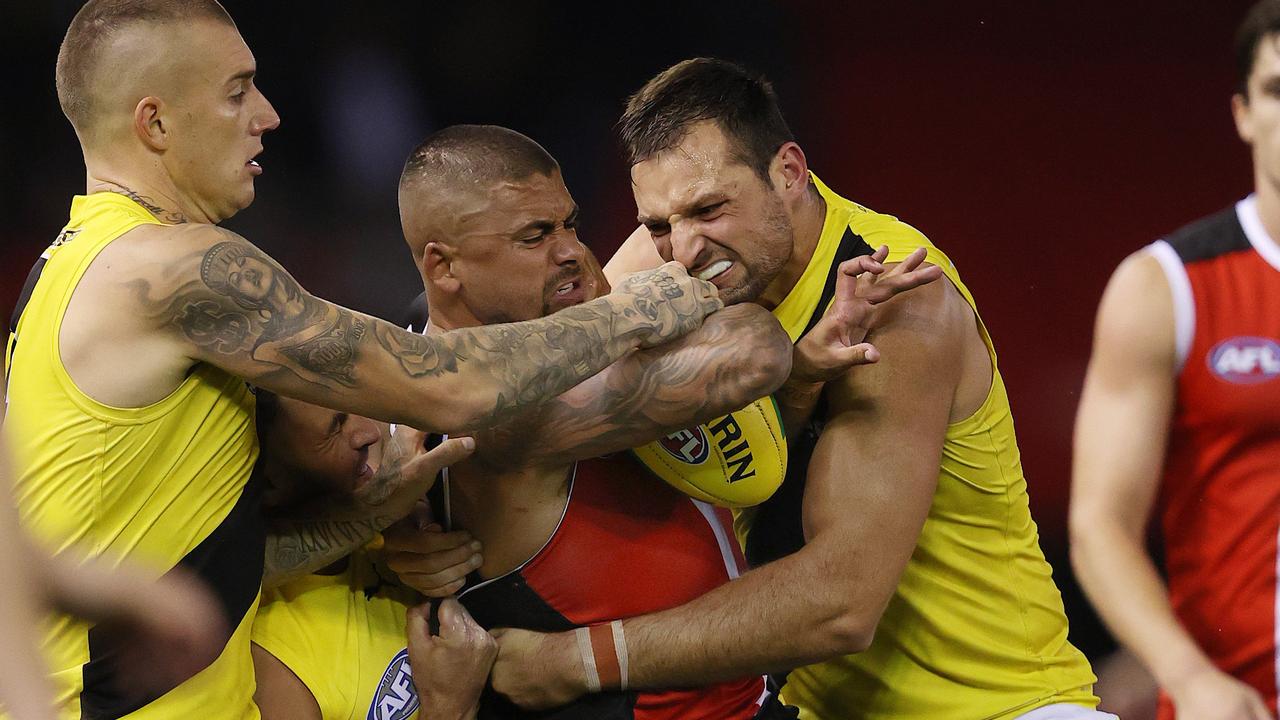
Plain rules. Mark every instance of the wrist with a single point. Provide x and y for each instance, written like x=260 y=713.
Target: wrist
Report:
x=1176 y=670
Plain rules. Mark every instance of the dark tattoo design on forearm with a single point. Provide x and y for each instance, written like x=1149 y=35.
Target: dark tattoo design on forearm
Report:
x=244 y=303
x=692 y=380
x=299 y=547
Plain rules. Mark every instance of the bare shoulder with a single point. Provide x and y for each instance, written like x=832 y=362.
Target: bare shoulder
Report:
x=1136 y=314
x=637 y=253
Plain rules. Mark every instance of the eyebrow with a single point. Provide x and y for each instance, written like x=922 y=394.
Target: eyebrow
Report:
x=243 y=75
x=698 y=202
x=546 y=226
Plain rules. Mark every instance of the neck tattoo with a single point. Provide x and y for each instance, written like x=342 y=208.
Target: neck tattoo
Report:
x=172 y=217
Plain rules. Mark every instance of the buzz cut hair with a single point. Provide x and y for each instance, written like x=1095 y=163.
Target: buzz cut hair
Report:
x=94 y=27
x=661 y=114
x=475 y=157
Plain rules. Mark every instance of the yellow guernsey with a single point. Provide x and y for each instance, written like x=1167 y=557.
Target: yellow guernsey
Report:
x=159 y=485
x=976 y=628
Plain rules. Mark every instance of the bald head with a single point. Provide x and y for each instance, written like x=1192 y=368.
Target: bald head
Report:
x=457 y=163
x=90 y=59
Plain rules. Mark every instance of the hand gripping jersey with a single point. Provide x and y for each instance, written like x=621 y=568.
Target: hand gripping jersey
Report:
x=344 y=637
x=158 y=486
x=1221 y=487
x=626 y=545
x=976 y=628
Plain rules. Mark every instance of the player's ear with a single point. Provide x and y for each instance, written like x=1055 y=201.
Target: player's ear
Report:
x=1240 y=112
x=789 y=171
x=148 y=123
x=437 y=266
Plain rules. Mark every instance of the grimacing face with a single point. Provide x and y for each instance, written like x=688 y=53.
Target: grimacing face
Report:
x=338 y=450
x=1258 y=116
x=517 y=252
x=709 y=211
x=216 y=121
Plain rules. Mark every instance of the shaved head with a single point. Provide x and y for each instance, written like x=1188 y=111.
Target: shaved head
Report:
x=89 y=64
x=459 y=162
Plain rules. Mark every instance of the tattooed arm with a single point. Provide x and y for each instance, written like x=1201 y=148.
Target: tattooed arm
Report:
x=227 y=303
x=739 y=355
x=306 y=537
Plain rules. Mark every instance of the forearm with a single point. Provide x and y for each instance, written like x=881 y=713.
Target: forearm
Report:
x=1121 y=581
x=297 y=547
x=783 y=615
x=25 y=691
x=740 y=354
x=797 y=399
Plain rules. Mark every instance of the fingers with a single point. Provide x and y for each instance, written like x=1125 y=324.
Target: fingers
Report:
x=451 y=451
x=891 y=284
x=860 y=354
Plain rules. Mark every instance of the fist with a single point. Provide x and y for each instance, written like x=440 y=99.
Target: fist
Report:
x=665 y=303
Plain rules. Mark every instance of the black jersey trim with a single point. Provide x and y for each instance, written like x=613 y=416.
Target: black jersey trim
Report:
x=851 y=246
x=229 y=560
x=1209 y=237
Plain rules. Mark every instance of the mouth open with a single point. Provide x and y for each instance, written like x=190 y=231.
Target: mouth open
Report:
x=715 y=270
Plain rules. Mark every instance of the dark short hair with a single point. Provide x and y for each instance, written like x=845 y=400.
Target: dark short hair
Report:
x=93 y=28
x=477 y=156
x=1263 y=20
x=744 y=105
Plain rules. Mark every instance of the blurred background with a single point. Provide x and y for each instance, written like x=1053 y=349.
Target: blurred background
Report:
x=1038 y=143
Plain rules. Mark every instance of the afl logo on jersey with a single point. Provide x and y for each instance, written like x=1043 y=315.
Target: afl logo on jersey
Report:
x=1246 y=360
x=396 y=698
x=688 y=446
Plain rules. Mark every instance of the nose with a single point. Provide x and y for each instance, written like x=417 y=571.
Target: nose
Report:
x=688 y=246
x=266 y=120
x=362 y=432
x=566 y=249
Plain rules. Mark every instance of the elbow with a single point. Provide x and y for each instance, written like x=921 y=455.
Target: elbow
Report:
x=852 y=632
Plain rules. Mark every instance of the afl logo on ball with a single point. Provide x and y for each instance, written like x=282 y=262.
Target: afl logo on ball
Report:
x=688 y=446
x=1246 y=360
x=396 y=698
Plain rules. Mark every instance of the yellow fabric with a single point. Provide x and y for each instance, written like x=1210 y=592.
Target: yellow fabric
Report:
x=742 y=458
x=146 y=484
x=343 y=645
x=976 y=629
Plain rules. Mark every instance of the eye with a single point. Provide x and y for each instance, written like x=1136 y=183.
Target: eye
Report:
x=707 y=211
x=658 y=229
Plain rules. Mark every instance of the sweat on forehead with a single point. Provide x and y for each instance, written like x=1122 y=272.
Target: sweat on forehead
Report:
x=463 y=157
x=82 y=55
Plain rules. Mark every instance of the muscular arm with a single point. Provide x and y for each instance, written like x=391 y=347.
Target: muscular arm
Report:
x=870 y=485
x=1120 y=438
x=223 y=301
x=739 y=355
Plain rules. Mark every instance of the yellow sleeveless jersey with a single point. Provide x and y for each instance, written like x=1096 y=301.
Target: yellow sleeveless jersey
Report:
x=344 y=637
x=976 y=629
x=155 y=486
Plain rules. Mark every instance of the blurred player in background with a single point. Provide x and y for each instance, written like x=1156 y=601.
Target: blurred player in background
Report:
x=1181 y=411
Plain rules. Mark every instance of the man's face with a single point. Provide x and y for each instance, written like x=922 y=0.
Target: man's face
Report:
x=517 y=255
x=216 y=121
x=708 y=210
x=338 y=451
x=251 y=278
x=1258 y=117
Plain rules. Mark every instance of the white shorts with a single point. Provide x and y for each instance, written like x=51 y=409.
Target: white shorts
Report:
x=1064 y=711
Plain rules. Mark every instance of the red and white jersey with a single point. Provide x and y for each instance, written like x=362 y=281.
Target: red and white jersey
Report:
x=626 y=545
x=1221 y=487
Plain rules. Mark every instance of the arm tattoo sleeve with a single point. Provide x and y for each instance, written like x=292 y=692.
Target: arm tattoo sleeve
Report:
x=299 y=547
x=243 y=307
x=738 y=356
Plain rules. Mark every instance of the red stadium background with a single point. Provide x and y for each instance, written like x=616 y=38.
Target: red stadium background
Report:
x=1037 y=142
